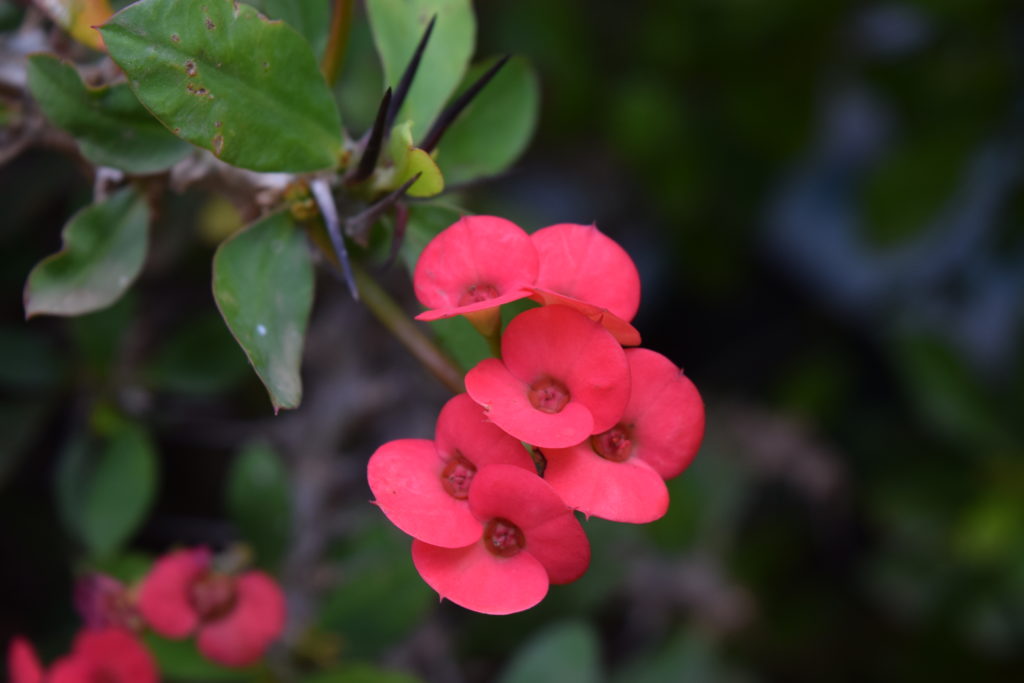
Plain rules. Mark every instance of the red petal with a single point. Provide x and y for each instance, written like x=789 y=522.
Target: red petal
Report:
x=581 y=262
x=463 y=428
x=164 y=595
x=405 y=477
x=552 y=533
x=452 y=311
x=629 y=491
x=624 y=333
x=22 y=663
x=558 y=342
x=110 y=654
x=665 y=413
x=505 y=403
x=474 y=578
x=243 y=634
x=475 y=250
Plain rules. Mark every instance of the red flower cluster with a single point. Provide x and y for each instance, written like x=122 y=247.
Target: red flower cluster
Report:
x=608 y=425
x=235 y=618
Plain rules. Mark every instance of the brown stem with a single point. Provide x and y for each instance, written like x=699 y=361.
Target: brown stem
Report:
x=337 y=41
x=399 y=324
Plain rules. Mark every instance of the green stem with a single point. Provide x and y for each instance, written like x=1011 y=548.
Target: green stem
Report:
x=337 y=41
x=399 y=324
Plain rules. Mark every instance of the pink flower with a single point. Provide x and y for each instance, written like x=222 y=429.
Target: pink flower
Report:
x=111 y=655
x=529 y=539
x=104 y=601
x=618 y=474
x=22 y=663
x=423 y=486
x=562 y=377
x=473 y=267
x=582 y=268
x=235 y=617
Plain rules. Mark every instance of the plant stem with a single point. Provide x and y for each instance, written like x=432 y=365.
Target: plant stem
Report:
x=337 y=41
x=399 y=324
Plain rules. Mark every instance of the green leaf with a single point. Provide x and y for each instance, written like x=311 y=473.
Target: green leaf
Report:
x=496 y=127
x=409 y=160
x=563 y=652
x=362 y=673
x=104 y=248
x=263 y=285
x=258 y=502
x=398 y=26
x=311 y=18
x=200 y=358
x=111 y=126
x=222 y=76
x=106 y=487
x=179 y=660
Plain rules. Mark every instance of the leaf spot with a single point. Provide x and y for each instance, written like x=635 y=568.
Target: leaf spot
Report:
x=266 y=66
x=210 y=25
x=217 y=124
x=261 y=330
x=190 y=68
x=218 y=143
x=175 y=38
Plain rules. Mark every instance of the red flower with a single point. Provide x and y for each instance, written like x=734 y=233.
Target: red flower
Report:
x=618 y=474
x=22 y=663
x=422 y=486
x=473 y=267
x=235 y=617
x=562 y=378
x=111 y=655
x=530 y=539
x=104 y=601
x=582 y=268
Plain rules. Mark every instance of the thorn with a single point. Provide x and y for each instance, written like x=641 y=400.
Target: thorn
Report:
x=408 y=75
x=358 y=226
x=401 y=221
x=452 y=111
x=325 y=202
x=371 y=150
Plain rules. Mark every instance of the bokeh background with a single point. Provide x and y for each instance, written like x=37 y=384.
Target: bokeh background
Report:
x=825 y=203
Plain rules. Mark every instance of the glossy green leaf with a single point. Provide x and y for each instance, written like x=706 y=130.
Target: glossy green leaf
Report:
x=105 y=487
x=398 y=26
x=263 y=285
x=111 y=126
x=224 y=77
x=258 y=502
x=496 y=127
x=311 y=18
x=563 y=652
x=104 y=248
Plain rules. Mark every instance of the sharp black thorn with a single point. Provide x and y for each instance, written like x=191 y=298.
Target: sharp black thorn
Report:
x=325 y=201
x=363 y=220
x=371 y=150
x=452 y=111
x=408 y=75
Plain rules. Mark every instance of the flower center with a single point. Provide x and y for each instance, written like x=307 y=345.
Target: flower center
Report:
x=503 y=538
x=476 y=293
x=213 y=596
x=548 y=395
x=613 y=445
x=457 y=475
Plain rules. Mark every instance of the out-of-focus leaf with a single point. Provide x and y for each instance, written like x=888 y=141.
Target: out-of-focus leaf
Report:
x=127 y=568
x=20 y=421
x=362 y=673
x=98 y=336
x=382 y=598
x=311 y=18
x=106 y=487
x=179 y=660
x=258 y=502
x=263 y=285
x=104 y=248
x=687 y=657
x=563 y=652
x=199 y=358
x=28 y=359
x=111 y=126
x=425 y=221
x=78 y=17
x=398 y=26
x=223 y=77
x=496 y=127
